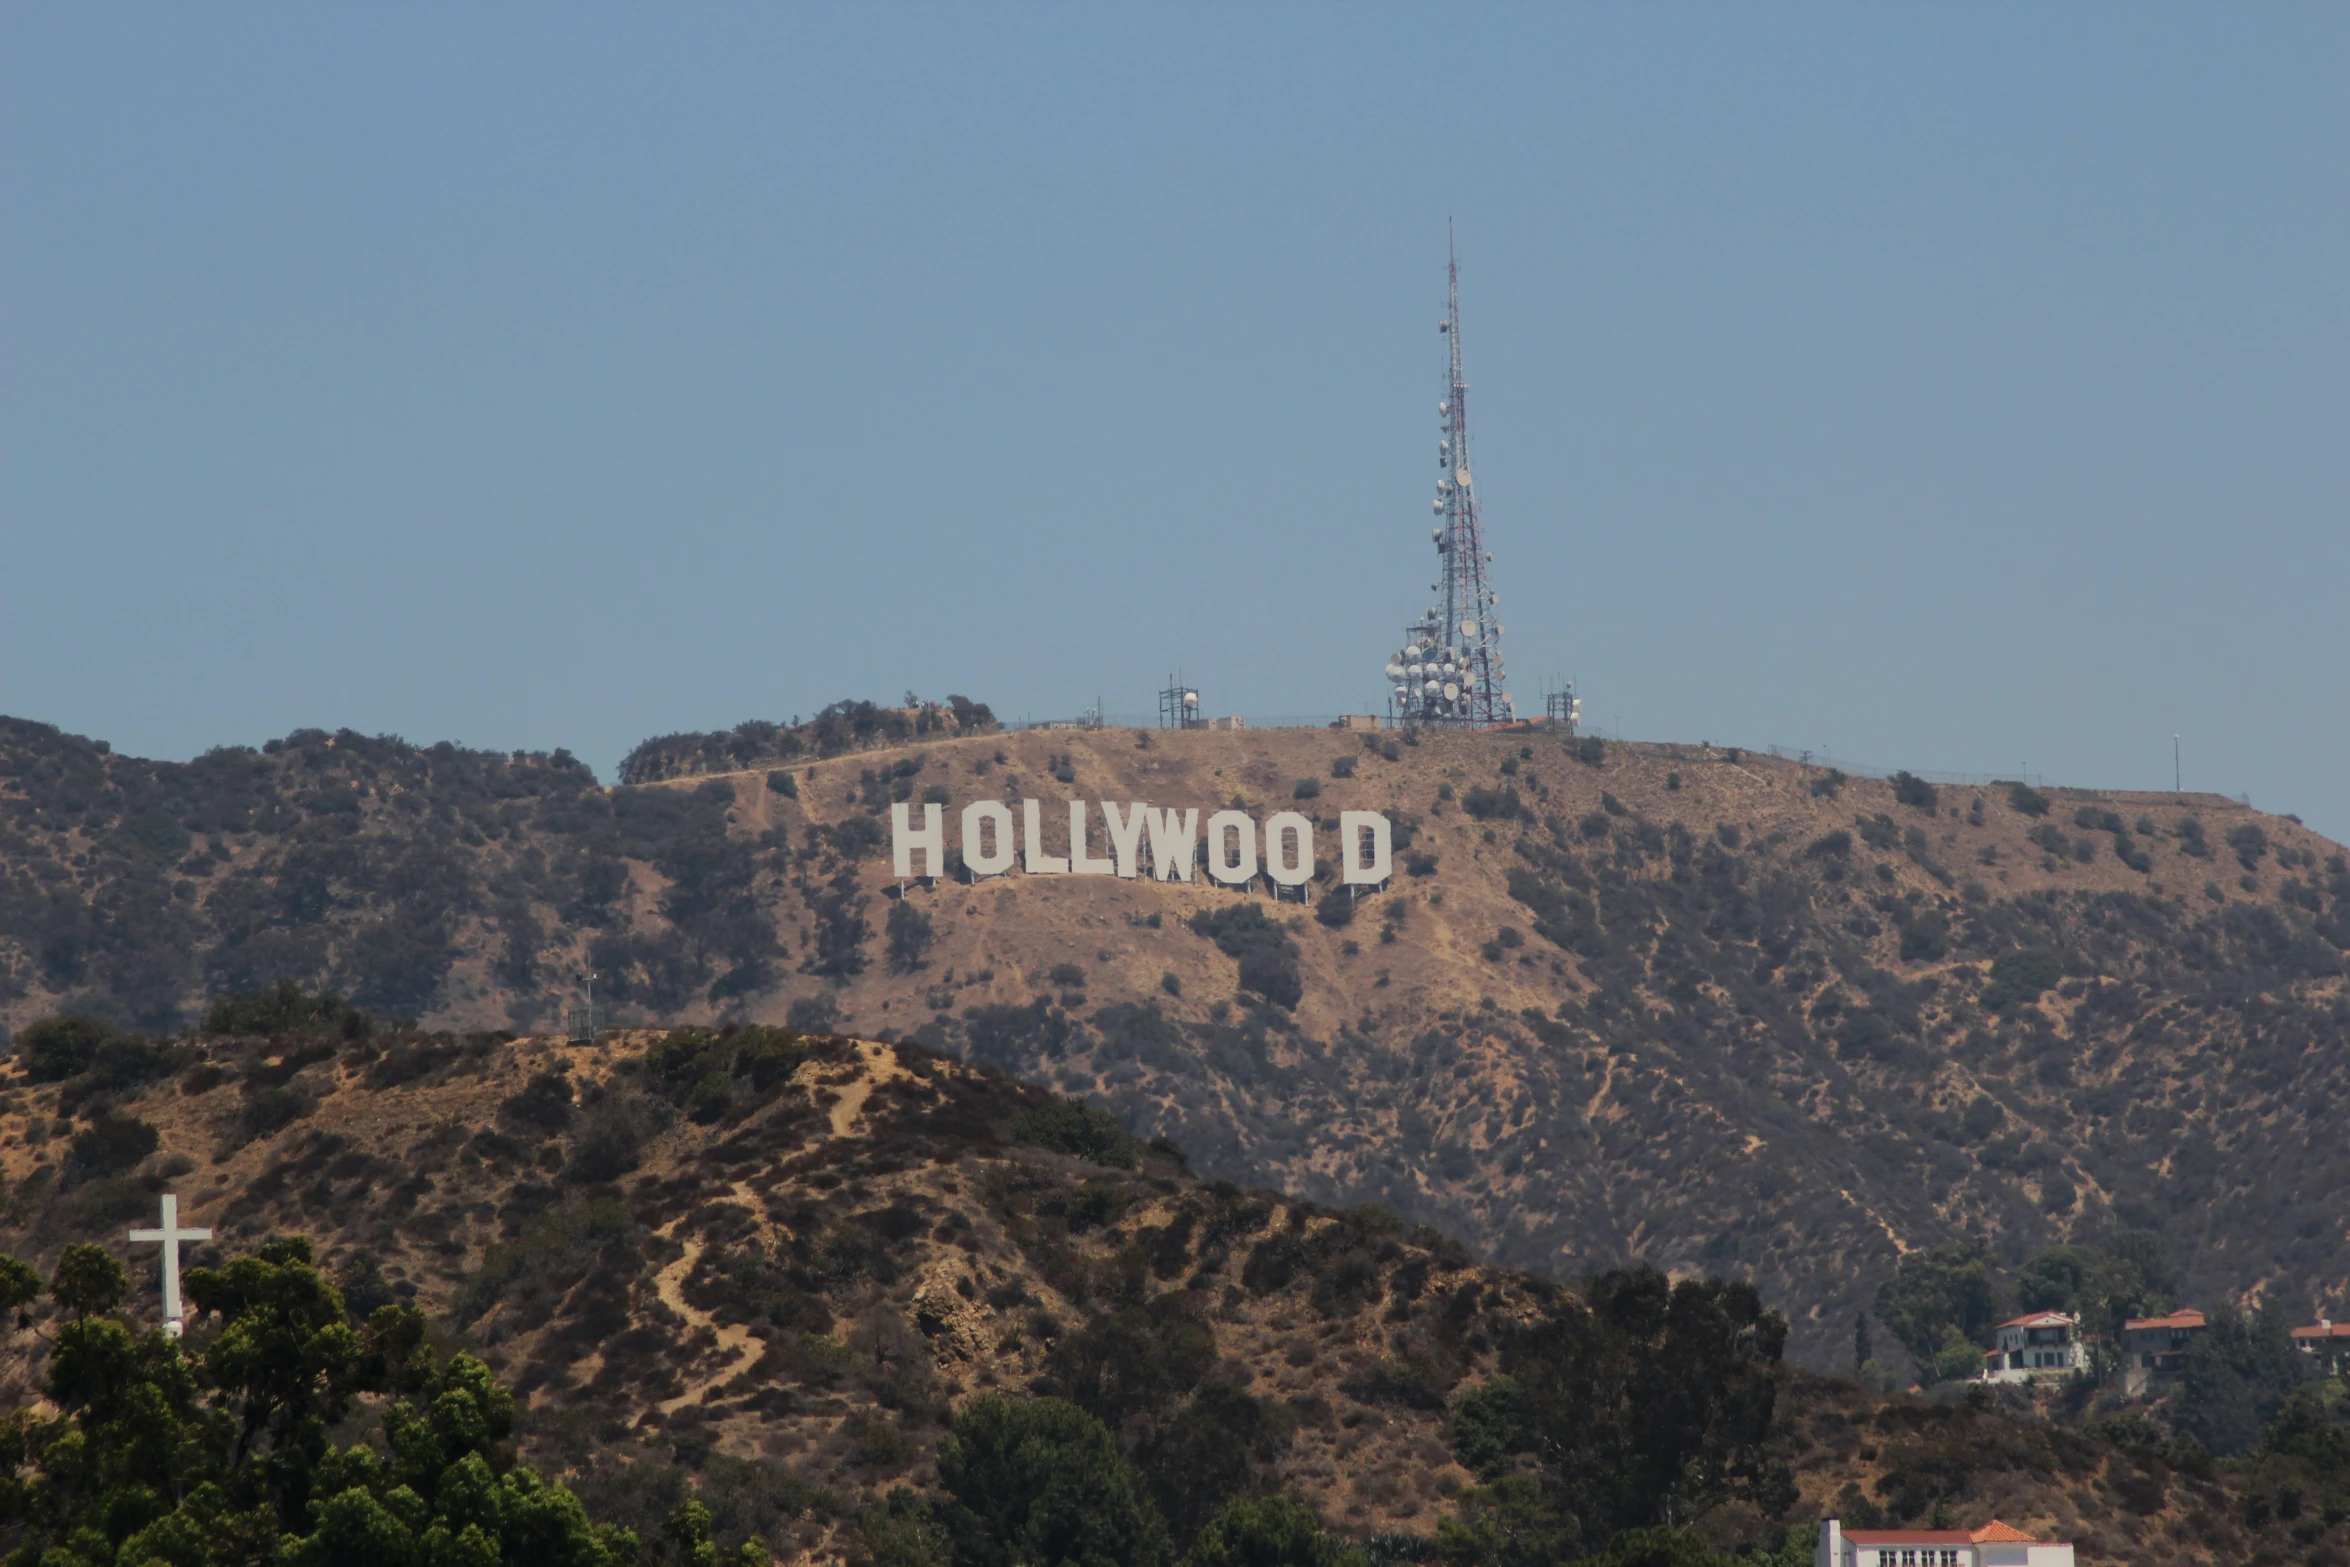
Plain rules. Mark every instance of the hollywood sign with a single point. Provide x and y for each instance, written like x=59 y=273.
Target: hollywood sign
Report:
x=1174 y=840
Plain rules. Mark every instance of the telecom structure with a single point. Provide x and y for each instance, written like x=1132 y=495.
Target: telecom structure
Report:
x=1449 y=670
x=1179 y=706
x=1562 y=709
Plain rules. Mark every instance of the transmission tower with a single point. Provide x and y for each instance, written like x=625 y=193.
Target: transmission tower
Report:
x=1179 y=706
x=1449 y=670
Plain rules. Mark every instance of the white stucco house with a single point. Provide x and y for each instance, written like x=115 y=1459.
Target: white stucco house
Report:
x=2044 y=1344
x=1995 y=1544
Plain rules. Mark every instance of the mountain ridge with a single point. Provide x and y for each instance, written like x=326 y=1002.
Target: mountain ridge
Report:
x=1669 y=1003
x=766 y=1270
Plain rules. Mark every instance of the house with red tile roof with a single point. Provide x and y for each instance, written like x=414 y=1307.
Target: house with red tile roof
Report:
x=2044 y=1344
x=2154 y=1349
x=2328 y=1343
x=1995 y=1544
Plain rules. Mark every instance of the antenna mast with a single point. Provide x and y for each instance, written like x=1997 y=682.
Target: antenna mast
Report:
x=1450 y=669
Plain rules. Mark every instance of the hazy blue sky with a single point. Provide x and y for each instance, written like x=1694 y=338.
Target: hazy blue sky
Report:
x=1960 y=387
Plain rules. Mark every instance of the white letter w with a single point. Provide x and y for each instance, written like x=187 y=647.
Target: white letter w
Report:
x=1173 y=841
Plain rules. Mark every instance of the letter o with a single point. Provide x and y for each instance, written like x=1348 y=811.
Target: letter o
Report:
x=1292 y=869
x=1234 y=828
x=989 y=813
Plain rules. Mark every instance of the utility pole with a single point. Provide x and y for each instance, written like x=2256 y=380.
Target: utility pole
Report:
x=2174 y=766
x=1449 y=671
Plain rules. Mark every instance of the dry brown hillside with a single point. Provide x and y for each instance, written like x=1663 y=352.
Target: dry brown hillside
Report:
x=1687 y=1005
x=1678 y=1004
x=775 y=1290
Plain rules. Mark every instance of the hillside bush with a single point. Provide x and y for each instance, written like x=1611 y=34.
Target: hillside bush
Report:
x=1494 y=804
x=1016 y=1038
x=1040 y=1480
x=284 y=1008
x=1271 y=1531
x=1911 y=790
x=909 y=934
x=1267 y=959
x=713 y=1074
x=2025 y=800
x=57 y=1048
x=1138 y=1360
x=111 y=1145
x=1073 y=1127
x=542 y=1105
x=1835 y=845
x=2021 y=976
x=270 y=1110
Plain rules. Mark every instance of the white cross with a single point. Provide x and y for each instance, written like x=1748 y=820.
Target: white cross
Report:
x=171 y=1235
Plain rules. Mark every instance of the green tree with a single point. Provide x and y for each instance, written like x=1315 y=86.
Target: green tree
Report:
x=1659 y=1548
x=689 y=1526
x=20 y=1286
x=1648 y=1395
x=1936 y=1289
x=1273 y=1531
x=1039 y=1480
x=220 y=1458
x=2103 y=1289
x=1134 y=1361
x=2053 y=1280
x=904 y=1532
x=88 y=1281
x=1956 y=1357
x=2313 y=1425
x=1510 y=1523
x=2239 y=1372
x=57 y=1048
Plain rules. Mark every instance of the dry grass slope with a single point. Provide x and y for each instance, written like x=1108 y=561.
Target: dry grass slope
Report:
x=1688 y=1006
x=779 y=1300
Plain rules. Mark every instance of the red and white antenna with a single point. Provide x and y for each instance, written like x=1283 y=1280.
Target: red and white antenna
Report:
x=1449 y=671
